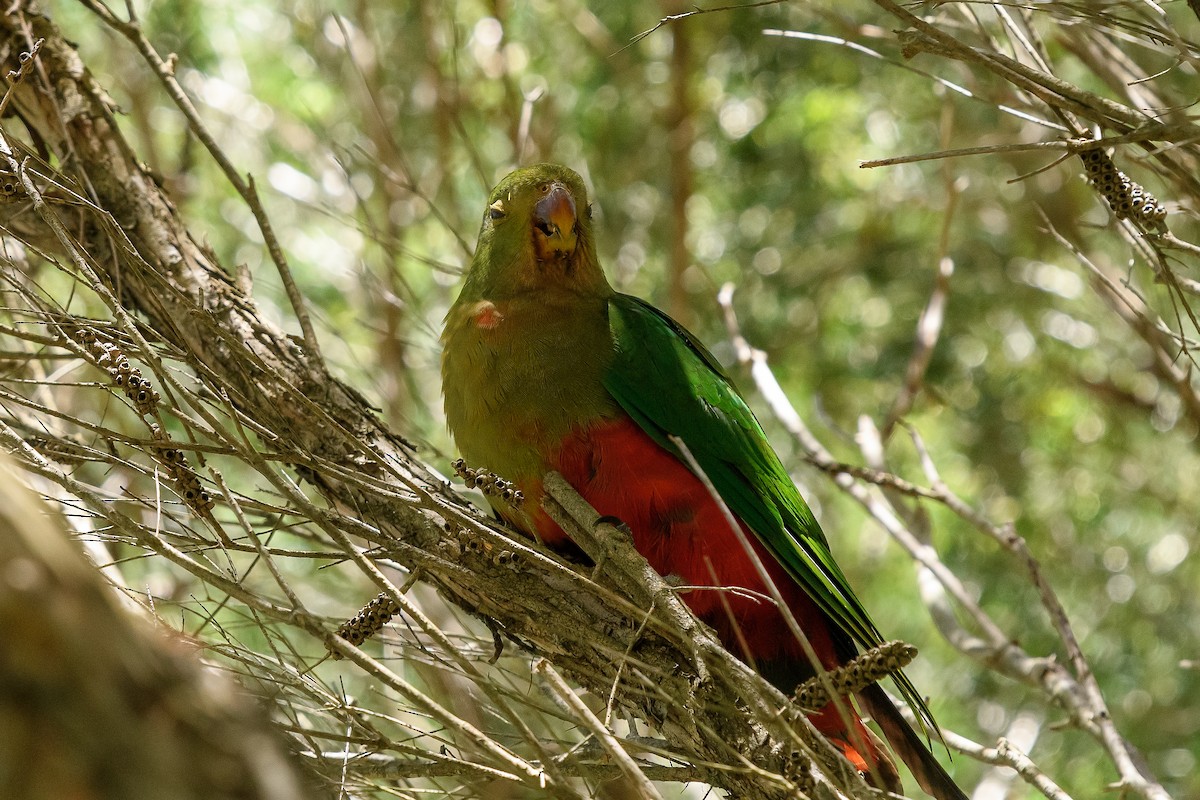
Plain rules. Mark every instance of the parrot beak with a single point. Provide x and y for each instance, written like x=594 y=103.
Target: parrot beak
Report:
x=554 y=223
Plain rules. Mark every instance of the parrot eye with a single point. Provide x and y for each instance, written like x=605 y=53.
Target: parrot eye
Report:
x=496 y=210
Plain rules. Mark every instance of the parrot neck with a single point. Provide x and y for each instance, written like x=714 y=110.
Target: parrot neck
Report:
x=506 y=269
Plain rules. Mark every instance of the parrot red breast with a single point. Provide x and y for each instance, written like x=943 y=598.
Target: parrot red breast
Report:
x=545 y=367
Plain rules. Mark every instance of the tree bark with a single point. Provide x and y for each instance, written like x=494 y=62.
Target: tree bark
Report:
x=96 y=704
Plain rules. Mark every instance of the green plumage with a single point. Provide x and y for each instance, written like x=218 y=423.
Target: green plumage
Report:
x=668 y=381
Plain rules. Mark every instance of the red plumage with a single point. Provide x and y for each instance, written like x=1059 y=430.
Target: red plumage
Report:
x=680 y=529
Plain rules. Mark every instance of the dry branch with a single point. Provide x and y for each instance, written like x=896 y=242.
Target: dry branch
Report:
x=237 y=388
x=1076 y=691
x=74 y=663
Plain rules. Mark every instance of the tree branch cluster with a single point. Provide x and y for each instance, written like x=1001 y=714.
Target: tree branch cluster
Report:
x=301 y=480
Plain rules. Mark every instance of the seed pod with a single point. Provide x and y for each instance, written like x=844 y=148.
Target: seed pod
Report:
x=369 y=621
x=869 y=667
x=1127 y=198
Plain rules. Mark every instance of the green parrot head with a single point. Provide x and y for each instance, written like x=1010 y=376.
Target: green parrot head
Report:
x=536 y=236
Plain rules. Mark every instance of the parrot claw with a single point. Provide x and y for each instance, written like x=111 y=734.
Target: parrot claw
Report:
x=615 y=522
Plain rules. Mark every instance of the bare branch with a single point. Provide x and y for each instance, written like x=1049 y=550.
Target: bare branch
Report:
x=1079 y=693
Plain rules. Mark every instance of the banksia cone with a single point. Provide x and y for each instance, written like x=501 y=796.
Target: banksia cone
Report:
x=1128 y=200
x=369 y=621
x=489 y=483
x=868 y=667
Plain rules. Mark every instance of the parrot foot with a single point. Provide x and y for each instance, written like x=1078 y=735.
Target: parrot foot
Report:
x=608 y=522
x=616 y=522
x=855 y=675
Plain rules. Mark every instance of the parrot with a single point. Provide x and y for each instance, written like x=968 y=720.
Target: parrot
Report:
x=545 y=367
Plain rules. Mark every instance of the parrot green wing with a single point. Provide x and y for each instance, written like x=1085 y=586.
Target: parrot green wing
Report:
x=666 y=380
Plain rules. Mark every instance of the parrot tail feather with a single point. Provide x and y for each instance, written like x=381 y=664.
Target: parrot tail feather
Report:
x=907 y=744
x=880 y=772
x=860 y=746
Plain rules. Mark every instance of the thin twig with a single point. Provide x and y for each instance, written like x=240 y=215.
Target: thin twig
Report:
x=629 y=768
x=672 y=18
x=1079 y=692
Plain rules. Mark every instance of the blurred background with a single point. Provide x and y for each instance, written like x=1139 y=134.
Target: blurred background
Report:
x=718 y=151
